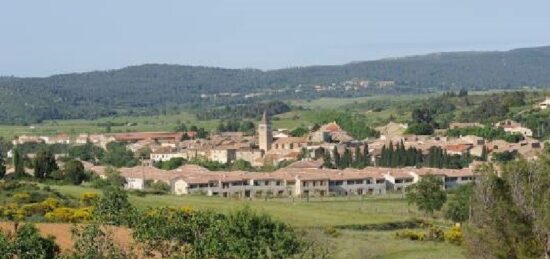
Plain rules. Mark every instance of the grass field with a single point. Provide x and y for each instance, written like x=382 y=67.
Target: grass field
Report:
x=168 y=122
x=319 y=213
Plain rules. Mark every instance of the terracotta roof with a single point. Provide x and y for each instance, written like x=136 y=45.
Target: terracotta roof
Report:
x=136 y=136
x=307 y=164
x=331 y=127
x=290 y=140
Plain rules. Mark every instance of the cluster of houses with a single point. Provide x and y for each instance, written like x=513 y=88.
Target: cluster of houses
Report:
x=300 y=179
x=274 y=147
x=304 y=177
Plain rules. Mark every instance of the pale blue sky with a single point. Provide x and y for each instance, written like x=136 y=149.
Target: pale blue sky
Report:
x=42 y=37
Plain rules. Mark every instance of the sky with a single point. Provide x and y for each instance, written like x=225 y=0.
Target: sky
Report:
x=45 y=37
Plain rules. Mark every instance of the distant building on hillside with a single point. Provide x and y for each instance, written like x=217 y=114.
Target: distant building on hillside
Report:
x=545 y=104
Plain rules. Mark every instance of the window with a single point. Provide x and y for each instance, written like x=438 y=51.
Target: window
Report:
x=408 y=180
x=398 y=180
x=380 y=181
x=451 y=179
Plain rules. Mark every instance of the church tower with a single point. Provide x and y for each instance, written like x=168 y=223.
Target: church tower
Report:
x=264 y=133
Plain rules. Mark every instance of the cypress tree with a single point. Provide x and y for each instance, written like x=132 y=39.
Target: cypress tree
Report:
x=391 y=155
x=346 y=159
x=327 y=161
x=358 y=158
x=2 y=165
x=484 y=153
x=337 y=162
x=366 y=155
x=18 y=164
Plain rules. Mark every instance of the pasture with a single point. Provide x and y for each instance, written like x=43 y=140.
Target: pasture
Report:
x=318 y=214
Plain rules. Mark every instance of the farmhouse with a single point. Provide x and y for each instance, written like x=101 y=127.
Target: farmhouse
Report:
x=545 y=104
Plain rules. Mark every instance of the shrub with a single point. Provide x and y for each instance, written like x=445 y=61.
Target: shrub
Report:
x=22 y=197
x=410 y=234
x=64 y=214
x=331 y=231
x=435 y=234
x=60 y=215
x=89 y=198
x=51 y=203
x=82 y=214
x=454 y=235
x=35 y=209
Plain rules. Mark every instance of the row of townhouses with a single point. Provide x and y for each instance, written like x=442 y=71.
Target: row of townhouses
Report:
x=295 y=181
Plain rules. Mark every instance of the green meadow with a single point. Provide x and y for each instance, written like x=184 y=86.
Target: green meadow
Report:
x=318 y=214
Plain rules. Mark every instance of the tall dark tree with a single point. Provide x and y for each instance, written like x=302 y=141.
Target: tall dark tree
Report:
x=327 y=160
x=44 y=164
x=74 y=172
x=2 y=165
x=346 y=159
x=366 y=155
x=18 y=164
x=336 y=155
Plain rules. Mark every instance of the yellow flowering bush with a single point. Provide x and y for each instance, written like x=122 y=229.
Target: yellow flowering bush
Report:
x=88 y=198
x=454 y=235
x=21 y=197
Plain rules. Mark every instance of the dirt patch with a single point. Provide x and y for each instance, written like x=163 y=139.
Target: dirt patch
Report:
x=63 y=236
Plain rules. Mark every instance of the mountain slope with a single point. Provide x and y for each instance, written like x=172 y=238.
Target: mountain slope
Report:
x=150 y=88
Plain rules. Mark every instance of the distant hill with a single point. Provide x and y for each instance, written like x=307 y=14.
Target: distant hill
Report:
x=153 y=88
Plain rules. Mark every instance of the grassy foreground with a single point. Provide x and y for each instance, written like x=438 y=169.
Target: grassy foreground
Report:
x=318 y=214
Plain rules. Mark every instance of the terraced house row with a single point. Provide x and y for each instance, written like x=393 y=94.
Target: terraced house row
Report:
x=292 y=181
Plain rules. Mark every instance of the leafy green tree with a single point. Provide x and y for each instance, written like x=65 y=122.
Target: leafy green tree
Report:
x=427 y=194
x=181 y=127
x=74 y=172
x=44 y=164
x=504 y=156
x=93 y=241
x=86 y=152
x=113 y=207
x=241 y=165
x=299 y=132
x=28 y=244
x=205 y=234
x=252 y=235
x=171 y=164
x=420 y=129
x=511 y=211
x=118 y=156
x=5 y=245
x=458 y=206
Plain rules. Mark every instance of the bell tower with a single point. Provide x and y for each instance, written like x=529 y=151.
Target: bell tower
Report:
x=264 y=133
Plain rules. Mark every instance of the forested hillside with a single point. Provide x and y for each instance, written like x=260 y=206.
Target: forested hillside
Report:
x=151 y=89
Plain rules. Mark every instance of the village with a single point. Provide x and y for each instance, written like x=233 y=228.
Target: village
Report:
x=300 y=169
